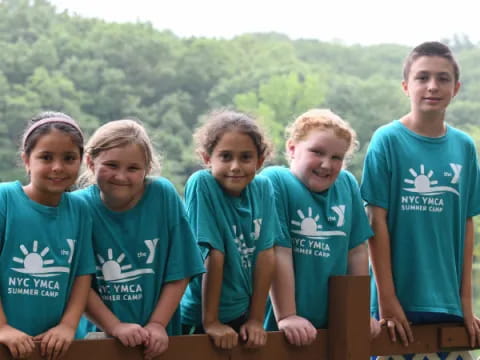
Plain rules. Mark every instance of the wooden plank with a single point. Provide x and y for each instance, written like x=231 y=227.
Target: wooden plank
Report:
x=454 y=336
x=349 y=318
x=278 y=348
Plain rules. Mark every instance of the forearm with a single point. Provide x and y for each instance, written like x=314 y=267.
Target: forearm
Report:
x=99 y=313
x=358 y=260
x=263 y=275
x=282 y=292
x=212 y=286
x=380 y=252
x=168 y=302
x=466 y=286
x=77 y=301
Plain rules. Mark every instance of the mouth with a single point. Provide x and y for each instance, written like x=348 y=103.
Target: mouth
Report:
x=321 y=174
x=57 y=180
x=432 y=99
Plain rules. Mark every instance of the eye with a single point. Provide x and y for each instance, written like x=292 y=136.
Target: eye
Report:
x=46 y=157
x=110 y=165
x=421 y=77
x=225 y=156
x=70 y=158
x=133 y=168
x=247 y=156
x=337 y=157
x=318 y=152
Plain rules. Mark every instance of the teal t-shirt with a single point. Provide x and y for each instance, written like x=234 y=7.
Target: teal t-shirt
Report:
x=320 y=228
x=139 y=250
x=239 y=227
x=42 y=250
x=430 y=186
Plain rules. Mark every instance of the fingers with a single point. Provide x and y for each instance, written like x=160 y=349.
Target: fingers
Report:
x=300 y=335
x=256 y=339
x=402 y=329
x=156 y=347
x=227 y=341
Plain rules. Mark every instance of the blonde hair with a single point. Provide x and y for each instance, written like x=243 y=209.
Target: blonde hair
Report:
x=322 y=119
x=119 y=133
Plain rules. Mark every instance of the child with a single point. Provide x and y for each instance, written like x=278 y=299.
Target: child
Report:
x=45 y=241
x=421 y=184
x=324 y=225
x=144 y=248
x=232 y=215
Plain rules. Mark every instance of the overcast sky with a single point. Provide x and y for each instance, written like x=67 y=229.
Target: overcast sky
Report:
x=407 y=22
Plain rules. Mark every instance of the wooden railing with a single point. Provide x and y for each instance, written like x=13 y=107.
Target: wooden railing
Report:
x=348 y=337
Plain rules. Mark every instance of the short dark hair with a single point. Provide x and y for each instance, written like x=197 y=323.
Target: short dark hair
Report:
x=430 y=48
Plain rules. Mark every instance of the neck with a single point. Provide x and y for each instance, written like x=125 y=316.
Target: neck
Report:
x=43 y=199
x=425 y=124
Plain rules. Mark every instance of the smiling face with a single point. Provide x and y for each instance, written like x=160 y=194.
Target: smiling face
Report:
x=53 y=166
x=120 y=174
x=234 y=161
x=317 y=159
x=431 y=84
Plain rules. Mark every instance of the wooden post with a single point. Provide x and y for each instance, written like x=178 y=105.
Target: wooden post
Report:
x=349 y=318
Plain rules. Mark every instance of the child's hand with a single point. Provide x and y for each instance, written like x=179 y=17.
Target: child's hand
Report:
x=20 y=344
x=298 y=330
x=55 y=341
x=223 y=336
x=157 y=341
x=253 y=333
x=472 y=323
x=130 y=334
x=375 y=328
x=393 y=317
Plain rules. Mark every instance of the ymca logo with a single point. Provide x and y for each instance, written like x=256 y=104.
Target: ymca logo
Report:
x=309 y=227
x=113 y=270
x=425 y=185
x=246 y=252
x=36 y=263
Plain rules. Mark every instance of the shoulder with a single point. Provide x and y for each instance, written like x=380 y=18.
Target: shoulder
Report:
x=460 y=136
x=201 y=179
x=277 y=174
x=10 y=187
x=160 y=183
x=386 y=131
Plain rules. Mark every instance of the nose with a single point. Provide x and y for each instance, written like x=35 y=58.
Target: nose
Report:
x=235 y=165
x=433 y=85
x=57 y=166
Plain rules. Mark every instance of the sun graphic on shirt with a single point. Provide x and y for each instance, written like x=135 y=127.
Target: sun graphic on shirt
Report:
x=113 y=271
x=33 y=261
x=35 y=264
x=111 y=268
x=423 y=184
x=308 y=224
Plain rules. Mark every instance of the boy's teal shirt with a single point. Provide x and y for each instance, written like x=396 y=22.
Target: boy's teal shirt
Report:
x=429 y=187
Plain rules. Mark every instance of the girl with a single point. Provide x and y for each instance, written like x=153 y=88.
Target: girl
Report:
x=324 y=225
x=144 y=248
x=421 y=183
x=232 y=215
x=45 y=239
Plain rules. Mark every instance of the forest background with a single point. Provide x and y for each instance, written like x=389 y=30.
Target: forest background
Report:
x=97 y=71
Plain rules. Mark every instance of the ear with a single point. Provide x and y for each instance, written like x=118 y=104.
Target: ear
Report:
x=26 y=162
x=290 y=147
x=457 y=87
x=90 y=163
x=260 y=162
x=206 y=158
x=405 y=87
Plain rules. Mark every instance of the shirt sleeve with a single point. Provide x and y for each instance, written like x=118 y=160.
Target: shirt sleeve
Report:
x=201 y=215
x=376 y=176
